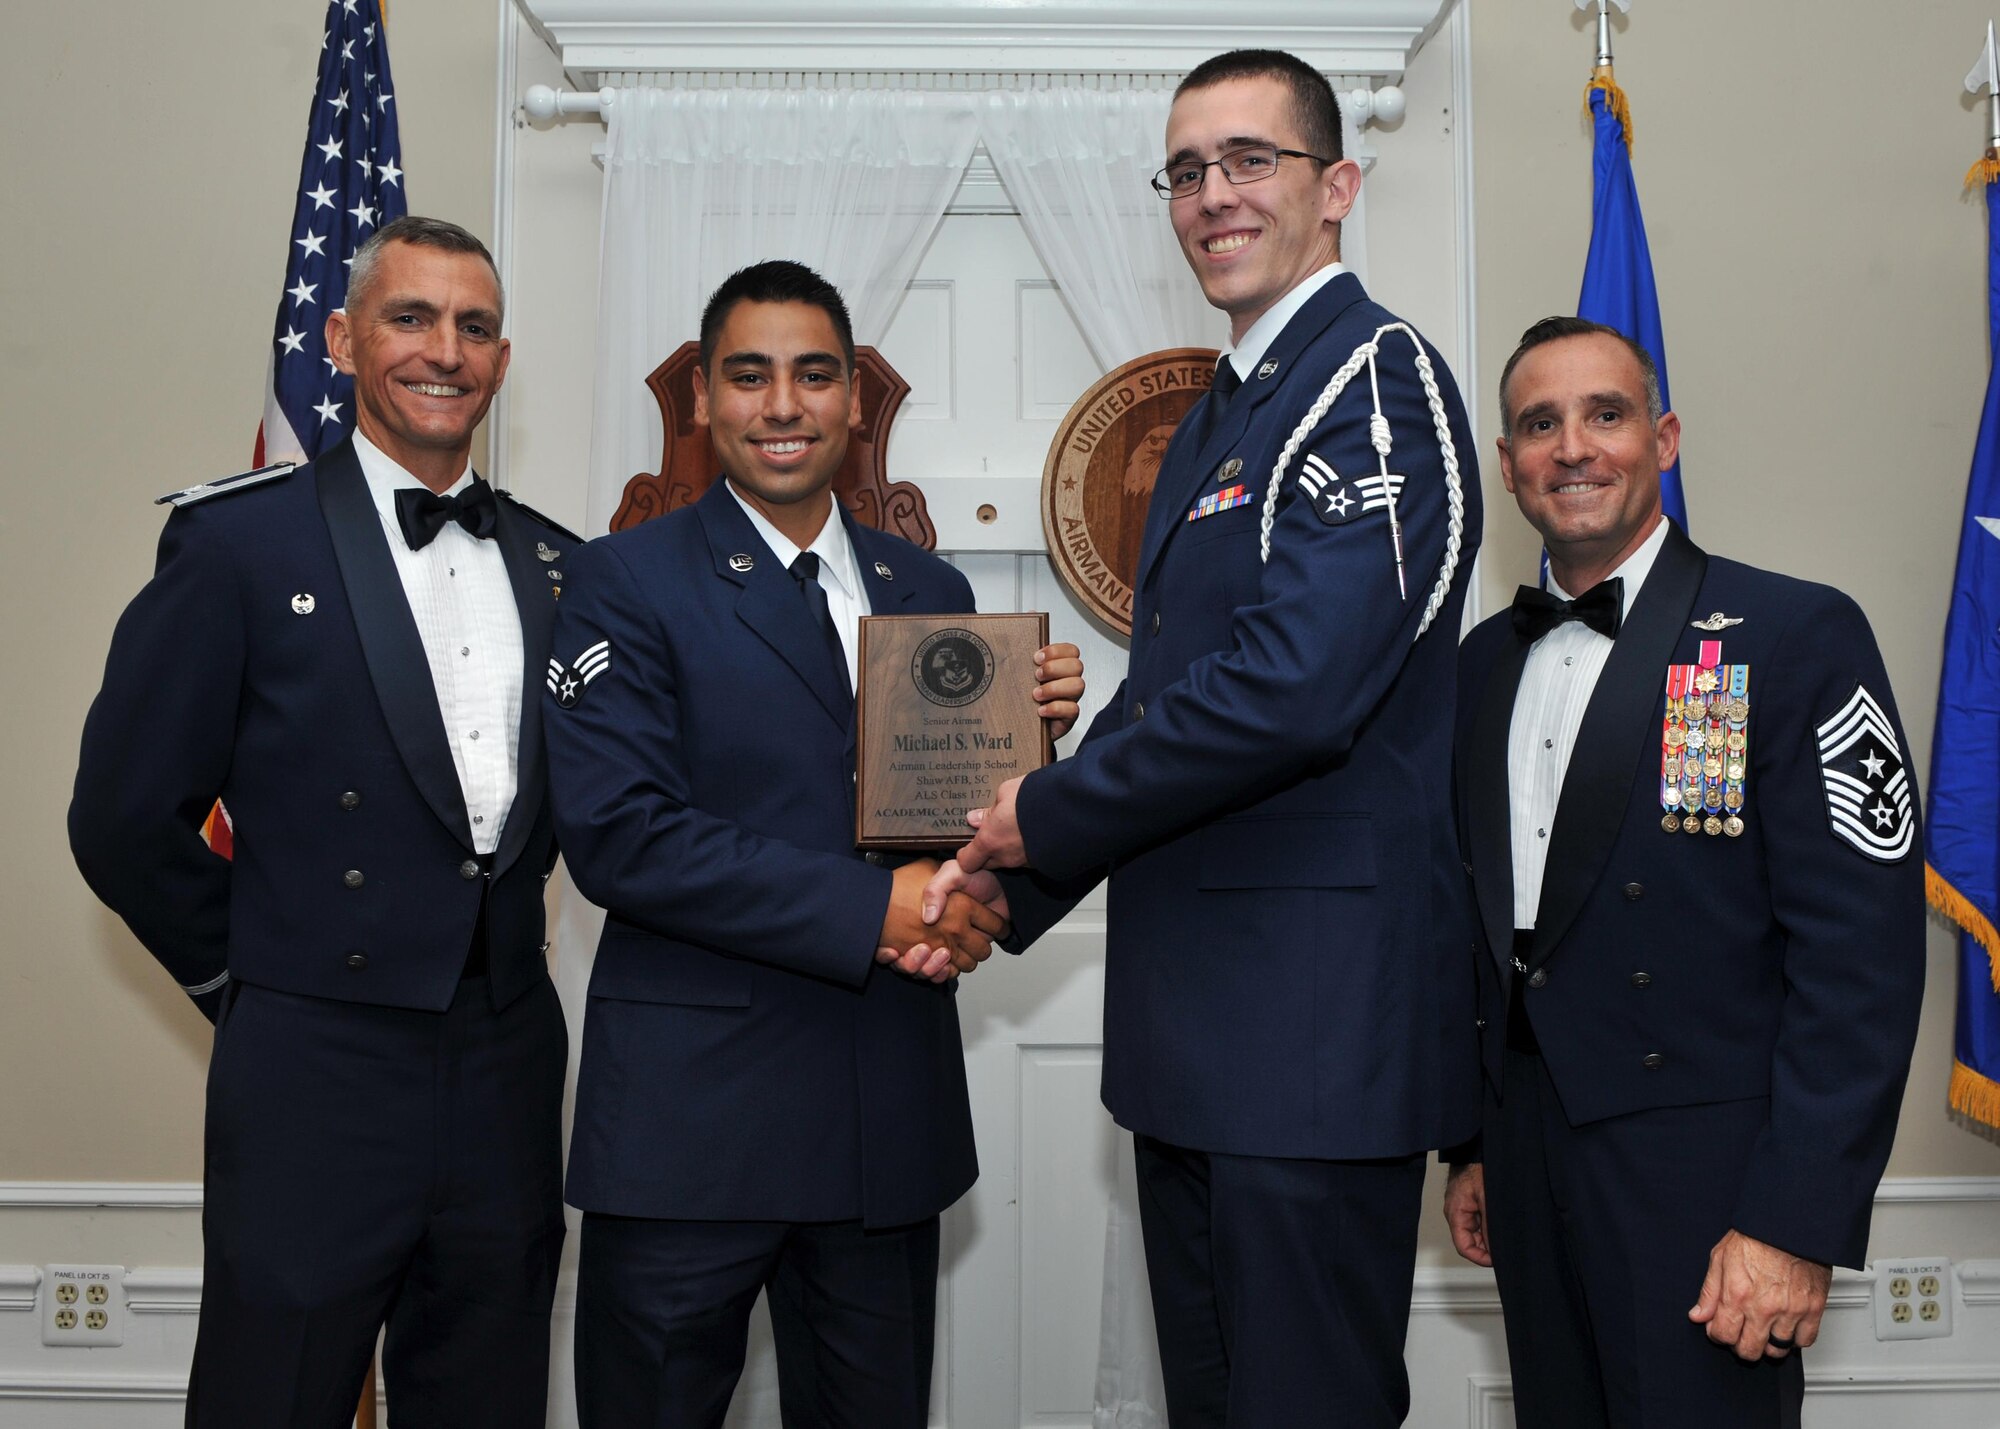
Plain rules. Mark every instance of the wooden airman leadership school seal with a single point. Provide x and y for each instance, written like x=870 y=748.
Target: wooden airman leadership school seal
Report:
x=1100 y=473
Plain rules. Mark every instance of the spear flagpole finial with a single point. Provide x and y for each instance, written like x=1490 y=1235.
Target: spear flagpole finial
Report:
x=1603 y=8
x=1985 y=79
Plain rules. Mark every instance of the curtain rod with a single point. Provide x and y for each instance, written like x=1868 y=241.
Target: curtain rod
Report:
x=541 y=102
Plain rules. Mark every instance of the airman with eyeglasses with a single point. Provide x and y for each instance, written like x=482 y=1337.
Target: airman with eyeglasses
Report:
x=1285 y=1035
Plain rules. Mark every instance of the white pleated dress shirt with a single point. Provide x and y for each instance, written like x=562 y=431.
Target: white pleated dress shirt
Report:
x=463 y=602
x=1556 y=685
x=839 y=575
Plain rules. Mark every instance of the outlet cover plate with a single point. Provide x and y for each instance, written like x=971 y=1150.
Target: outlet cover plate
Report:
x=82 y=1305
x=1913 y=1298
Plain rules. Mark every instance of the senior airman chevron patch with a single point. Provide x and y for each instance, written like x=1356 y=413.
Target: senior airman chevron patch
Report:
x=568 y=682
x=1337 y=500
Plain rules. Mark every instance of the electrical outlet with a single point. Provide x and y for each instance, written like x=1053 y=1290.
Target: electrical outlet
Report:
x=82 y=1305
x=1913 y=1298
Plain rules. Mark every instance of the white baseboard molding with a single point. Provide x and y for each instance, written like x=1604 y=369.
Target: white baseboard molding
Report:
x=1455 y=1328
x=1939 y=1379
x=1936 y=1190
x=95 y=1388
x=100 y=1195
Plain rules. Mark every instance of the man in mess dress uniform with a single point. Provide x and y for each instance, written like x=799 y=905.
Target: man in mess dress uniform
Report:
x=347 y=654
x=1686 y=806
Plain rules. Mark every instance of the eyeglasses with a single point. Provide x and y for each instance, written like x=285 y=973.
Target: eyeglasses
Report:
x=1240 y=166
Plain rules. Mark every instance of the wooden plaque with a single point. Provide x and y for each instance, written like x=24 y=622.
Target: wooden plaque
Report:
x=944 y=716
x=688 y=466
x=1099 y=476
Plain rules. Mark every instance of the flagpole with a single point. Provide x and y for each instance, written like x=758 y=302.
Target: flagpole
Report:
x=1618 y=287
x=1603 y=37
x=1603 y=76
x=1986 y=75
x=1962 y=827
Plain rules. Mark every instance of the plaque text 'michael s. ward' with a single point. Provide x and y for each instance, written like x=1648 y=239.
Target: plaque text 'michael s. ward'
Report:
x=946 y=714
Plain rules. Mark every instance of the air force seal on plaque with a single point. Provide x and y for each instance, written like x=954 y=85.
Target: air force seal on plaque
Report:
x=1868 y=798
x=952 y=667
x=568 y=682
x=1336 y=500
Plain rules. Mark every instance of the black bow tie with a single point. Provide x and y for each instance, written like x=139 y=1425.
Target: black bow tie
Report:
x=1536 y=612
x=422 y=514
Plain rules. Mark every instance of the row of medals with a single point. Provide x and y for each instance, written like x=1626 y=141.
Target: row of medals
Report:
x=1707 y=750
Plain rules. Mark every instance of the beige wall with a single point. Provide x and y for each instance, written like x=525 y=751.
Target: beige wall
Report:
x=152 y=154
x=1811 y=243
x=1823 y=284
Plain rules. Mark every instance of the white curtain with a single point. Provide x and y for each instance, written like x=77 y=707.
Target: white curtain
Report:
x=701 y=182
x=1078 y=162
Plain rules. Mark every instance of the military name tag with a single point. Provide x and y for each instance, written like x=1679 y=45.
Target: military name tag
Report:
x=945 y=714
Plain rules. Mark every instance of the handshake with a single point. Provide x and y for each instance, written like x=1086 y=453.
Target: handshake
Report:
x=943 y=917
x=966 y=913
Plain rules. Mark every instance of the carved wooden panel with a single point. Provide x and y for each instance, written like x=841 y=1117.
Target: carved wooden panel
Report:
x=688 y=466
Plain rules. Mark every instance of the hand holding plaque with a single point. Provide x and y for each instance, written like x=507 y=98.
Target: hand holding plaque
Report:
x=947 y=711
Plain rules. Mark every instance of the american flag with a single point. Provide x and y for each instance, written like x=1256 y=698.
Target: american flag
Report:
x=349 y=185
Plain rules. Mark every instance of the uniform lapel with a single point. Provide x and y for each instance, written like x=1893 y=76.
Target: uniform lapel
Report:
x=533 y=587
x=389 y=640
x=1488 y=815
x=1205 y=441
x=1620 y=729
x=770 y=603
x=887 y=595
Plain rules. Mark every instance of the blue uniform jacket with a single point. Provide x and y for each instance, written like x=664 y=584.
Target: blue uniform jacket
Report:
x=743 y=1056
x=1673 y=969
x=1270 y=789
x=321 y=732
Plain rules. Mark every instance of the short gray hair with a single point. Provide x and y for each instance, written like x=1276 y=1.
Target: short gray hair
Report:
x=419 y=232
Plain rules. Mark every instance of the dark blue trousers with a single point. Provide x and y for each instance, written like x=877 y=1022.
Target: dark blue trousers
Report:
x=663 y=1314
x=1600 y=1236
x=371 y=1167
x=1281 y=1288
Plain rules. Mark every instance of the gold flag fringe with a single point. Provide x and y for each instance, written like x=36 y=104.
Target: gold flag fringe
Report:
x=1957 y=907
x=1621 y=108
x=1984 y=171
x=1978 y=1097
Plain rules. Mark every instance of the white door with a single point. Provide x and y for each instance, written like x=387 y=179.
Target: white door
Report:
x=993 y=361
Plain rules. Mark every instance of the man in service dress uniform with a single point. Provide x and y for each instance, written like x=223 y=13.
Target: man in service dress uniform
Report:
x=761 y=1105
x=347 y=655
x=1685 y=802
x=1288 y=1024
